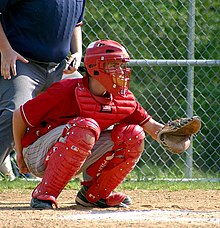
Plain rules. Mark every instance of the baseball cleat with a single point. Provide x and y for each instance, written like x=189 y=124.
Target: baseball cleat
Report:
x=102 y=203
x=41 y=204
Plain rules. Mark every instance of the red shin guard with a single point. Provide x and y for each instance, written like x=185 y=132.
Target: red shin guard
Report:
x=111 y=169
x=66 y=157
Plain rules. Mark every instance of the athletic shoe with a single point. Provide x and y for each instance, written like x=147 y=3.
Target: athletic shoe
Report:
x=41 y=204
x=110 y=201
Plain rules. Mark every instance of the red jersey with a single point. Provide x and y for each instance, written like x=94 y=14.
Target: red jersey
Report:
x=70 y=98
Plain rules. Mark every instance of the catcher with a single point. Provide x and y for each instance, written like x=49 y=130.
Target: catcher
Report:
x=92 y=125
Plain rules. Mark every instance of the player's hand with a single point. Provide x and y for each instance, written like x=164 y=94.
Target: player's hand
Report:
x=8 y=62
x=21 y=164
x=73 y=63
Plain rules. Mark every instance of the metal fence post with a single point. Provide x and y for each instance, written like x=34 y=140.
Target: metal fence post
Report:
x=190 y=82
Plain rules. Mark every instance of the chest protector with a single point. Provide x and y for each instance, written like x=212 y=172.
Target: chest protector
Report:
x=106 y=111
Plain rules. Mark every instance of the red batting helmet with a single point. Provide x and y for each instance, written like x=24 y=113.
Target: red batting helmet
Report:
x=105 y=60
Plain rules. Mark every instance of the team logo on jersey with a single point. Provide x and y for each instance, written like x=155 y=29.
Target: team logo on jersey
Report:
x=106 y=108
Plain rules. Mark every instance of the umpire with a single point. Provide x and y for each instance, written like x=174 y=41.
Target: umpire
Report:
x=35 y=39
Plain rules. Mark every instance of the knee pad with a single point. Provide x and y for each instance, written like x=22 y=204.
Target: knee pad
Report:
x=130 y=138
x=81 y=132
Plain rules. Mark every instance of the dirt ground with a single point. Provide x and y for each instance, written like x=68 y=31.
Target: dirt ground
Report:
x=149 y=209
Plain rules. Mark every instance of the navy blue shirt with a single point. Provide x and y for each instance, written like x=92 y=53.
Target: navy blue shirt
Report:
x=41 y=29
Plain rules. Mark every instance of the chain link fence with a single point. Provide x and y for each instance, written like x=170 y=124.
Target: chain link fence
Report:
x=174 y=47
x=175 y=52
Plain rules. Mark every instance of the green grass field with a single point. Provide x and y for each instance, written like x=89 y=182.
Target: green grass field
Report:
x=129 y=185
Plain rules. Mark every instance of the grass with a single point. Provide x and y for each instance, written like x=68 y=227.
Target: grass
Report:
x=129 y=185
x=171 y=185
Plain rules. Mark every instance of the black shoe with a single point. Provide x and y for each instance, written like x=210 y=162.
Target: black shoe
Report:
x=41 y=204
x=81 y=200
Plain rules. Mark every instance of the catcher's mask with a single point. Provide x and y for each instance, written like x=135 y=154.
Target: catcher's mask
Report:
x=105 y=60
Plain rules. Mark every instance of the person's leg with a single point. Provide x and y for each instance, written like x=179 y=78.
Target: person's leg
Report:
x=64 y=159
x=6 y=169
x=111 y=168
x=103 y=145
x=31 y=80
x=13 y=93
x=34 y=155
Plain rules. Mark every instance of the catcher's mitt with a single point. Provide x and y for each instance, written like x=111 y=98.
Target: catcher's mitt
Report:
x=175 y=135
